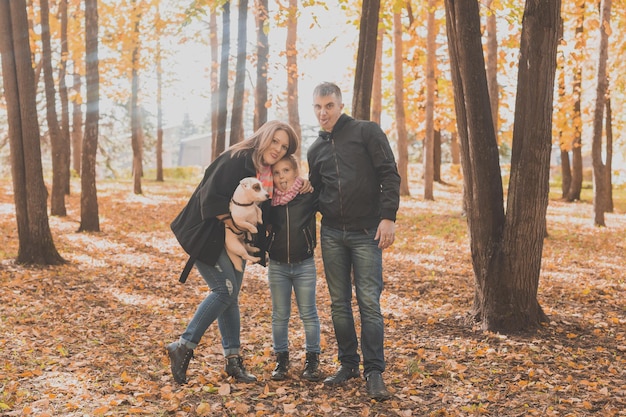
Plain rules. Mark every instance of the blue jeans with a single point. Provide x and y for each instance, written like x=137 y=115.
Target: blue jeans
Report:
x=344 y=252
x=222 y=303
x=302 y=277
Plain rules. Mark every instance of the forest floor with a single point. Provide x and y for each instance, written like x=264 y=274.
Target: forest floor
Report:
x=88 y=338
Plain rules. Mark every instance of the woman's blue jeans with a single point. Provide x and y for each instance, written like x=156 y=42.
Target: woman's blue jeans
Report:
x=302 y=278
x=345 y=252
x=221 y=304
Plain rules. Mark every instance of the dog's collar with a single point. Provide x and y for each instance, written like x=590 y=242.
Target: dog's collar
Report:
x=241 y=204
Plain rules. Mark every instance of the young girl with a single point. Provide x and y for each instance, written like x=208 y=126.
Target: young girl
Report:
x=292 y=266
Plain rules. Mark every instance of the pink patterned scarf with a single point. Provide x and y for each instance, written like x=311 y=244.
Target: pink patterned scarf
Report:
x=283 y=197
x=266 y=178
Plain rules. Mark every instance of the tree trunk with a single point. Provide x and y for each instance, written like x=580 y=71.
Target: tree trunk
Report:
x=377 y=84
x=291 y=49
x=398 y=75
x=566 y=174
x=135 y=117
x=492 y=63
x=236 y=121
x=437 y=156
x=577 y=155
x=36 y=245
x=214 y=76
x=89 y=220
x=506 y=251
x=527 y=201
x=262 y=55
x=600 y=191
x=77 y=124
x=222 y=108
x=65 y=111
x=366 y=60
x=59 y=183
x=159 y=71
x=609 y=155
x=429 y=140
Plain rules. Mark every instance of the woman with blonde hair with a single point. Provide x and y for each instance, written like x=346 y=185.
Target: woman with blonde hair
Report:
x=199 y=229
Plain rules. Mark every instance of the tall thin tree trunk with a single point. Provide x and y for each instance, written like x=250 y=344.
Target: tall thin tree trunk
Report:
x=236 y=122
x=77 y=124
x=214 y=77
x=263 y=51
x=65 y=112
x=366 y=60
x=89 y=220
x=159 y=71
x=29 y=191
x=609 y=155
x=403 y=157
x=429 y=141
x=600 y=191
x=292 y=71
x=377 y=86
x=222 y=112
x=577 y=152
x=135 y=117
x=59 y=184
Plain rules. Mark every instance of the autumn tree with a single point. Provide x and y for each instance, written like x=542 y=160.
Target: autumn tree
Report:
x=366 y=60
x=262 y=58
x=222 y=108
x=291 y=51
x=159 y=73
x=377 y=83
x=135 y=110
x=236 y=121
x=403 y=157
x=506 y=249
x=63 y=96
x=89 y=218
x=600 y=183
x=36 y=245
x=431 y=84
x=59 y=148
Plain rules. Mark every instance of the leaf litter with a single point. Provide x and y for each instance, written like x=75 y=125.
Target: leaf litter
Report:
x=88 y=338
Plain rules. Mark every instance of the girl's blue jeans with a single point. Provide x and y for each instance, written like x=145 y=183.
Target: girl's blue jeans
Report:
x=301 y=278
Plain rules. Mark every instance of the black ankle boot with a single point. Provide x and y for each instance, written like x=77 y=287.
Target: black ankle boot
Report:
x=312 y=367
x=282 y=366
x=180 y=355
x=235 y=368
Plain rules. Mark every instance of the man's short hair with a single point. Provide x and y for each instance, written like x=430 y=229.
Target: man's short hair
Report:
x=326 y=89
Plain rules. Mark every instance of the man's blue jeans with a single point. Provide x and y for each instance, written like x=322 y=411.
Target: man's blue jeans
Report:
x=302 y=277
x=344 y=252
x=222 y=303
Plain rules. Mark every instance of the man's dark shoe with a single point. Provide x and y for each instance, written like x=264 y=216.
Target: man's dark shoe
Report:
x=180 y=355
x=342 y=375
x=234 y=367
x=282 y=366
x=376 y=387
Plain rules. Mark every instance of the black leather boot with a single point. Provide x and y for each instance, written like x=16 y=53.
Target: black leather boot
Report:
x=282 y=366
x=180 y=356
x=312 y=367
x=234 y=367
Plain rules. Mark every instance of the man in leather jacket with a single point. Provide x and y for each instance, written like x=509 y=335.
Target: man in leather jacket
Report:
x=352 y=167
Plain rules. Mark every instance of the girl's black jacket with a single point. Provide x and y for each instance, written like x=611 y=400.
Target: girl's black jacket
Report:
x=292 y=237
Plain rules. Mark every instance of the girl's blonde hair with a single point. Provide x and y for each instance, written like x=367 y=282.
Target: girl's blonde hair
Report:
x=261 y=140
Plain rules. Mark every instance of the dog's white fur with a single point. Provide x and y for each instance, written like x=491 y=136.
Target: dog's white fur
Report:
x=246 y=215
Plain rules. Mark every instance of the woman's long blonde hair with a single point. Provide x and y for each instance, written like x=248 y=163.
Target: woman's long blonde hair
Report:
x=261 y=140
